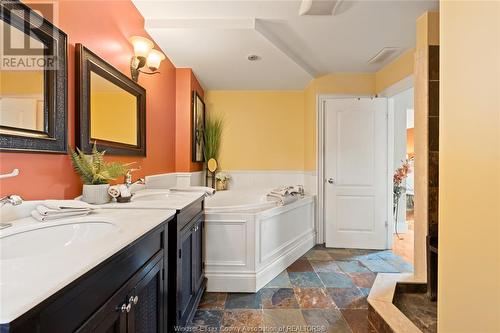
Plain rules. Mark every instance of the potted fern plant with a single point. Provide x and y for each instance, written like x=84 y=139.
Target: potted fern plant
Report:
x=96 y=174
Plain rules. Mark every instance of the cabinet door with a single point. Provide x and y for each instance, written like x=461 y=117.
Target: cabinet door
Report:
x=146 y=315
x=185 y=271
x=111 y=317
x=198 y=267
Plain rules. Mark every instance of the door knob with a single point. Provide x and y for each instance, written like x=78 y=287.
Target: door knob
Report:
x=330 y=181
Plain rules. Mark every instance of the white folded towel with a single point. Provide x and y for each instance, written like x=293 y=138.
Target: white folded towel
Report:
x=282 y=200
x=66 y=204
x=43 y=218
x=45 y=211
x=203 y=189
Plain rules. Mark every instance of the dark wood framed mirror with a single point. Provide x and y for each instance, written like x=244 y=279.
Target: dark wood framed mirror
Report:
x=33 y=80
x=111 y=108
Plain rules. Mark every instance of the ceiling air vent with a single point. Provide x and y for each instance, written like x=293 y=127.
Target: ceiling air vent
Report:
x=318 y=7
x=384 y=54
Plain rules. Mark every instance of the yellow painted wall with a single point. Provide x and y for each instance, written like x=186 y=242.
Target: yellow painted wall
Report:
x=263 y=129
x=114 y=117
x=469 y=164
x=395 y=71
x=251 y=110
x=21 y=82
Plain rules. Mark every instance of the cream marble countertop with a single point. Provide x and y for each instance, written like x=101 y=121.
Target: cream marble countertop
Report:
x=28 y=280
x=165 y=199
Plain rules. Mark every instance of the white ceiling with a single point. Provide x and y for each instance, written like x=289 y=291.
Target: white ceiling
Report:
x=215 y=38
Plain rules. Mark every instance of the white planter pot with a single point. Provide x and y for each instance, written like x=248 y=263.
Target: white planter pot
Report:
x=96 y=194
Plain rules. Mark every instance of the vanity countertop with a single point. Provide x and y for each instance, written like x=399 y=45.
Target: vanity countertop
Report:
x=29 y=277
x=157 y=199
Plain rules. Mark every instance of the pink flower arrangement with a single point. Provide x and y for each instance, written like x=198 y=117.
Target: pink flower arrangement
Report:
x=402 y=172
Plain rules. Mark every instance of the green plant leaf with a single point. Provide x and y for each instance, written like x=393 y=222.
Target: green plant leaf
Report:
x=213 y=136
x=93 y=169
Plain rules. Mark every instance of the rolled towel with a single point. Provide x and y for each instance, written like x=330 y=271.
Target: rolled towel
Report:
x=114 y=191
x=203 y=189
x=43 y=218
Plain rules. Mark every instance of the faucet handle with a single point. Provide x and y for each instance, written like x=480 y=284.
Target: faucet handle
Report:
x=13 y=199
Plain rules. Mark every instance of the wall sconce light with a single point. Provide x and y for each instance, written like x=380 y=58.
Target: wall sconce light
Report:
x=144 y=55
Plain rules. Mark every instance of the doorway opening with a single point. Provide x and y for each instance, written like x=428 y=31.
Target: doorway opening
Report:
x=403 y=178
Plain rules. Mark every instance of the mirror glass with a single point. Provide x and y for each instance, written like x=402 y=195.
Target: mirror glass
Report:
x=113 y=112
x=22 y=87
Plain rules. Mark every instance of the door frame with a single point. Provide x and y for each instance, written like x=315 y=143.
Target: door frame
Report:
x=389 y=93
x=320 y=165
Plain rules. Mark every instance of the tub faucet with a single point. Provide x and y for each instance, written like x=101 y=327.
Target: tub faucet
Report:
x=12 y=199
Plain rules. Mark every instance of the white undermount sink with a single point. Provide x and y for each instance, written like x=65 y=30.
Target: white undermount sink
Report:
x=55 y=237
x=156 y=196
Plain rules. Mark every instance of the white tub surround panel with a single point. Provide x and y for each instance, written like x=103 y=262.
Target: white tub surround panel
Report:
x=247 y=250
x=175 y=179
x=31 y=278
x=240 y=179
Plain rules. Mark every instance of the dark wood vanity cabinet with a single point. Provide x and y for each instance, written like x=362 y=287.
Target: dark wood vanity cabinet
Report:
x=138 y=306
x=187 y=268
x=126 y=293
x=152 y=285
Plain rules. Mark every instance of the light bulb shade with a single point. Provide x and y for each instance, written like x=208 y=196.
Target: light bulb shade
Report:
x=154 y=59
x=142 y=46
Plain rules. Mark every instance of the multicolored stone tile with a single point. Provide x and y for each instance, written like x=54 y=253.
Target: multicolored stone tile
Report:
x=358 y=320
x=324 y=288
x=327 y=320
x=348 y=298
x=241 y=320
x=336 y=280
x=379 y=266
x=352 y=267
x=340 y=254
x=313 y=298
x=325 y=266
x=300 y=265
x=318 y=255
x=283 y=320
x=243 y=301
x=207 y=320
x=278 y=298
x=281 y=281
x=363 y=280
x=305 y=280
x=213 y=301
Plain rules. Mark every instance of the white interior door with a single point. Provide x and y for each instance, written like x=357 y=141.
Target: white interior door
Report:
x=355 y=169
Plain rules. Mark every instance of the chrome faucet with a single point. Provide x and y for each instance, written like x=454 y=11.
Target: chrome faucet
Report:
x=12 y=199
x=128 y=179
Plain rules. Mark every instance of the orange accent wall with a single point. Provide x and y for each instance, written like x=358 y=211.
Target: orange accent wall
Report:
x=104 y=28
x=186 y=83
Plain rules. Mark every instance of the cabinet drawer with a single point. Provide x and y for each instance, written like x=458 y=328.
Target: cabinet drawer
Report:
x=187 y=214
x=86 y=295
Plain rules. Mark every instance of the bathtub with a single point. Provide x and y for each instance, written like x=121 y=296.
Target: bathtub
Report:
x=249 y=240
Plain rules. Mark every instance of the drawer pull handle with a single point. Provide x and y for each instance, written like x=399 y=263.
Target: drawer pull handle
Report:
x=134 y=299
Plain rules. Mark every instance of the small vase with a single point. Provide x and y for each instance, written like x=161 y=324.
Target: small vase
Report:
x=221 y=185
x=96 y=194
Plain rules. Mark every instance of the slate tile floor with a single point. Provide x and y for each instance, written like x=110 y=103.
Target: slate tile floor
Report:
x=323 y=291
